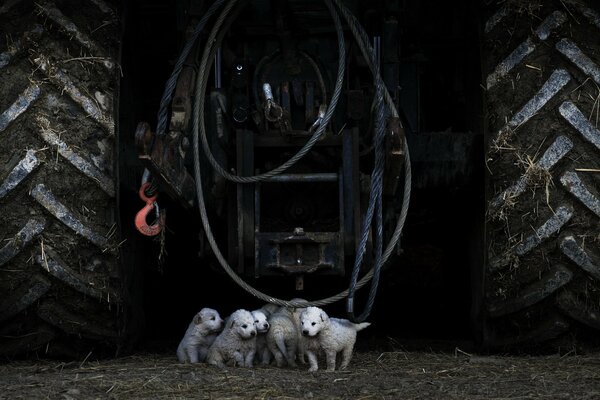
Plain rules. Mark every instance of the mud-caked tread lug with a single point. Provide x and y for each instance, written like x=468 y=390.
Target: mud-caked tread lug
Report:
x=23 y=296
x=531 y=202
x=66 y=84
x=7 y=55
x=25 y=340
x=48 y=9
x=571 y=181
x=17 y=46
x=578 y=310
x=7 y=5
x=71 y=322
x=514 y=59
x=19 y=241
x=557 y=80
x=102 y=6
x=555 y=152
x=548 y=330
x=53 y=265
x=79 y=162
x=592 y=15
x=46 y=198
x=495 y=19
x=553 y=21
x=536 y=292
x=543 y=31
x=580 y=256
x=20 y=105
x=555 y=83
x=550 y=227
x=575 y=117
x=19 y=173
x=570 y=50
x=59 y=65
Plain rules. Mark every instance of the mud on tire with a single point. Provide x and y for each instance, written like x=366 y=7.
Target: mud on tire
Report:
x=60 y=287
x=541 y=64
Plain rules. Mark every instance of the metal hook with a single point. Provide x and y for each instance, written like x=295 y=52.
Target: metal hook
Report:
x=140 y=218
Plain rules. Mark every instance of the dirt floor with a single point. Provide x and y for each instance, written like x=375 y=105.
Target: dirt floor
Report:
x=372 y=375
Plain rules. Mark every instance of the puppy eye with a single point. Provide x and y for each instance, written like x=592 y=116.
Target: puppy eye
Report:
x=244 y=326
x=314 y=323
x=212 y=319
x=256 y=322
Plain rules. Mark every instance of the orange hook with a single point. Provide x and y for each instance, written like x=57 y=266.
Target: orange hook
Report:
x=140 y=218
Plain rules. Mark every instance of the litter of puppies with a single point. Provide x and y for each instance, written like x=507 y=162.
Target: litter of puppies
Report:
x=284 y=334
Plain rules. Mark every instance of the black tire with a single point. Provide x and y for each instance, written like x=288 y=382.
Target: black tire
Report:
x=61 y=287
x=541 y=74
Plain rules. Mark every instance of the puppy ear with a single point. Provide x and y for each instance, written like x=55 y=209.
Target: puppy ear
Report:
x=323 y=317
x=197 y=319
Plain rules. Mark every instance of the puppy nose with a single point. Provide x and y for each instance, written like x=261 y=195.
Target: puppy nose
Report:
x=253 y=333
x=266 y=326
x=305 y=332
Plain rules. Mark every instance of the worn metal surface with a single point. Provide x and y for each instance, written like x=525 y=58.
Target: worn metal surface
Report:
x=289 y=253
x=394 y=155
x=162 y=157
x=309 y=177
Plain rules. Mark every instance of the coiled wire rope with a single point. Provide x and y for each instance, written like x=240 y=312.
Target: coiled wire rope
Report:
x=375 y=198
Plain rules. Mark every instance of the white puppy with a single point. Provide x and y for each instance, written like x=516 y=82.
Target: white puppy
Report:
x=236 y=343
x=263 y=354
x=270 y=309
x=332 y=335
x=282 y=338
x=200 y=335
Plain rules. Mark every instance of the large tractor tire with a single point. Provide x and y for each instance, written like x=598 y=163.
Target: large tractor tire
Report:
x=61 y=287
x=542 y=77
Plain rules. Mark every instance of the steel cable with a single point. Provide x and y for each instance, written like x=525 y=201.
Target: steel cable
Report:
x=374 y=208
x=167 y=96
x=199 y=106
x=365 y=48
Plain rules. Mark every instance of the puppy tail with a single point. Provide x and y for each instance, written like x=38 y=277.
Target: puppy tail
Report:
x=280 y=342
x=361 y=326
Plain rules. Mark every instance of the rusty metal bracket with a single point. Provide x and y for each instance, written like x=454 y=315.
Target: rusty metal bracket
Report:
x=394 y=155
x=303 y=252
x=164 y=157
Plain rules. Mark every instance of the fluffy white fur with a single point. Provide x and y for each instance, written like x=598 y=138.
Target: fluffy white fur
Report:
x=269 y=309
x=200 y=335
x=331 y=335
x=282 y=338
x=263 y=354
x=237 y=342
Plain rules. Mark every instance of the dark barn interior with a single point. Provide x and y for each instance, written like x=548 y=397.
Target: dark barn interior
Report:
x=277 y=144
x=426 y=291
